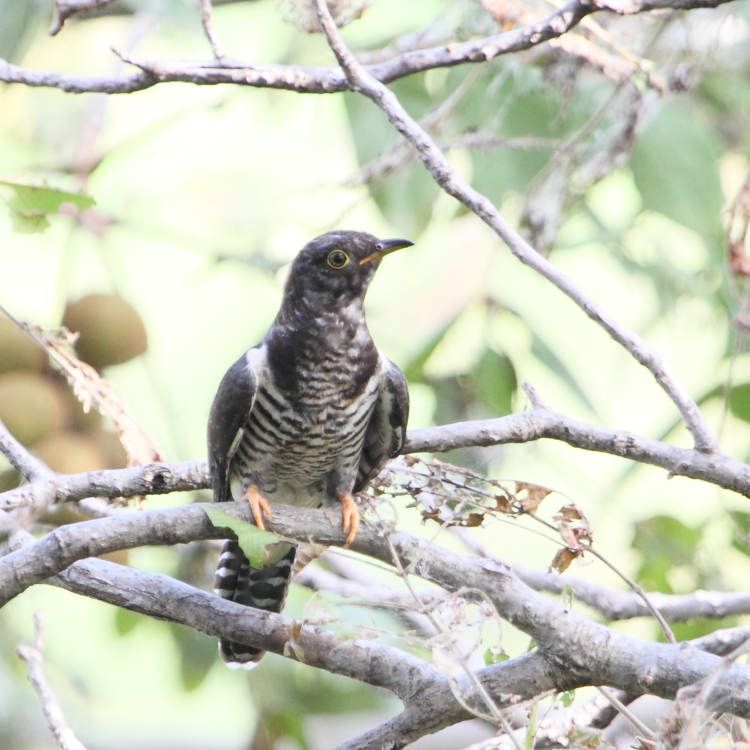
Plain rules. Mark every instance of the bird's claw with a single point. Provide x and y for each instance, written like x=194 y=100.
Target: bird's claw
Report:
x=350 y=512
x=258 y=504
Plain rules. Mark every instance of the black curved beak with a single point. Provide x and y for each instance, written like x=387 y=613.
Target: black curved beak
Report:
x=386 y=247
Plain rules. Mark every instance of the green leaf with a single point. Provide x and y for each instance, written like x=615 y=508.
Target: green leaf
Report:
x=253 y=541
x=405 y=197
x=587 y=737
x=495 y=655
x=20 y=21
x=532 y=726
x=676 y=170
x=664 y=543
x=741 y=536
x=547 y=357
x=30 y=204
x=567 y=698
x=495 y=382
x=198 y=653
x=739 y=401
x=414 y=371
x=126 y=621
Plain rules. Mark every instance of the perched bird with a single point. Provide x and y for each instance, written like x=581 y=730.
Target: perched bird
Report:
x=308 y=416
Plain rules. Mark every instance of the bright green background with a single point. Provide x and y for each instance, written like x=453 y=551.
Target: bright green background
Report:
x=212 y=190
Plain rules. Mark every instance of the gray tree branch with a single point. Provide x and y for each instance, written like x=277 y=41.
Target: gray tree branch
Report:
x=540 y=423
x=28 y=466
x=427 y=696
x=574 y=650
x=329 y=80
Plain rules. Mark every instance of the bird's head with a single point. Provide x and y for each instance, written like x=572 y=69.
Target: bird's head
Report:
x=335 y=269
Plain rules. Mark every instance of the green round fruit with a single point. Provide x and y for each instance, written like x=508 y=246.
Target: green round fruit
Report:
x=109 y=446
x=70 y=453
x=111 y=331
x=30 y=405
x=18 y=351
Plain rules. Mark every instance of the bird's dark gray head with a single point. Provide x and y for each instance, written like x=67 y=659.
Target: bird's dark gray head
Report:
x=336 y=268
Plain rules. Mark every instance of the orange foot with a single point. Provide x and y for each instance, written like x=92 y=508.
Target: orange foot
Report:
x=258 y=504
x=351 y=517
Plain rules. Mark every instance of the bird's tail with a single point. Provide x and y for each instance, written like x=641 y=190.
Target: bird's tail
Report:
x=264 y=588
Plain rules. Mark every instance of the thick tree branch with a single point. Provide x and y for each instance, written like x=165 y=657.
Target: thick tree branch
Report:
x=155 y=479
x=430 y=704
x=575 y=651
x=361 y=80
x=718 y=469
x=152 y=479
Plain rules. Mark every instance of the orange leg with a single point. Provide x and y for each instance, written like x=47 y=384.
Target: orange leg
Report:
x=350 y=513
x=258 y=504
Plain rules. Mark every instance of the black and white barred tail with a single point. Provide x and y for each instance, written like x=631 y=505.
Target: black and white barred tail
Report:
x=265 y=588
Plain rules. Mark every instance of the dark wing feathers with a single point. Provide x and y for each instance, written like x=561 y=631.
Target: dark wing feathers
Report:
x=229 y=413
x=386 y=432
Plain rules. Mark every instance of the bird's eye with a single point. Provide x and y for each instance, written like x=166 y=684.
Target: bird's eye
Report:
x=338 y=259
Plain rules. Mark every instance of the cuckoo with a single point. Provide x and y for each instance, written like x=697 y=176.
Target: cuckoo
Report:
x=308 y=416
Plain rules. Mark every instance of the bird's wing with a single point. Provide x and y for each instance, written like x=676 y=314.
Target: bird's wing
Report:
x=386 y=432
x=229 y=413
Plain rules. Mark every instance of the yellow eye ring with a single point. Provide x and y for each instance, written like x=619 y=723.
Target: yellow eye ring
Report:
x=338 y=259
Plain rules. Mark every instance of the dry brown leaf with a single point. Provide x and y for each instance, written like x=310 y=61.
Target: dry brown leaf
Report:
x=534 y=495
x=472 y=520
x=564 y=558
x=503 y=504
x=569 y=513
x=576 y=537
x=570 y=538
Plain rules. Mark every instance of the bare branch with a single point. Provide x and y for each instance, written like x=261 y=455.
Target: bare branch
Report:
x=574 y=651
x=27 y=465
x=64 y=9
x=624 y=605
x=32 y=657
x=723 y=642
x=73 y=84
x=154 y=479
x=629 y=715
x=361 y=80
x=426 y=693
x=208 y=27
x=329 y=80
x=717 y=468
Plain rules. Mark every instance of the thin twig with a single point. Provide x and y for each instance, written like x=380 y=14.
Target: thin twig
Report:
x=208 y=27
x=64 y=9
x=497 y=714
x=27 y=465
x=627 y=713
x=668 y=634
x=32 y=656
x=638 y=590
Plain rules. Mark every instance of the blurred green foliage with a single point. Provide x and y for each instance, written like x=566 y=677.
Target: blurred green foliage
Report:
x=203 y=194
